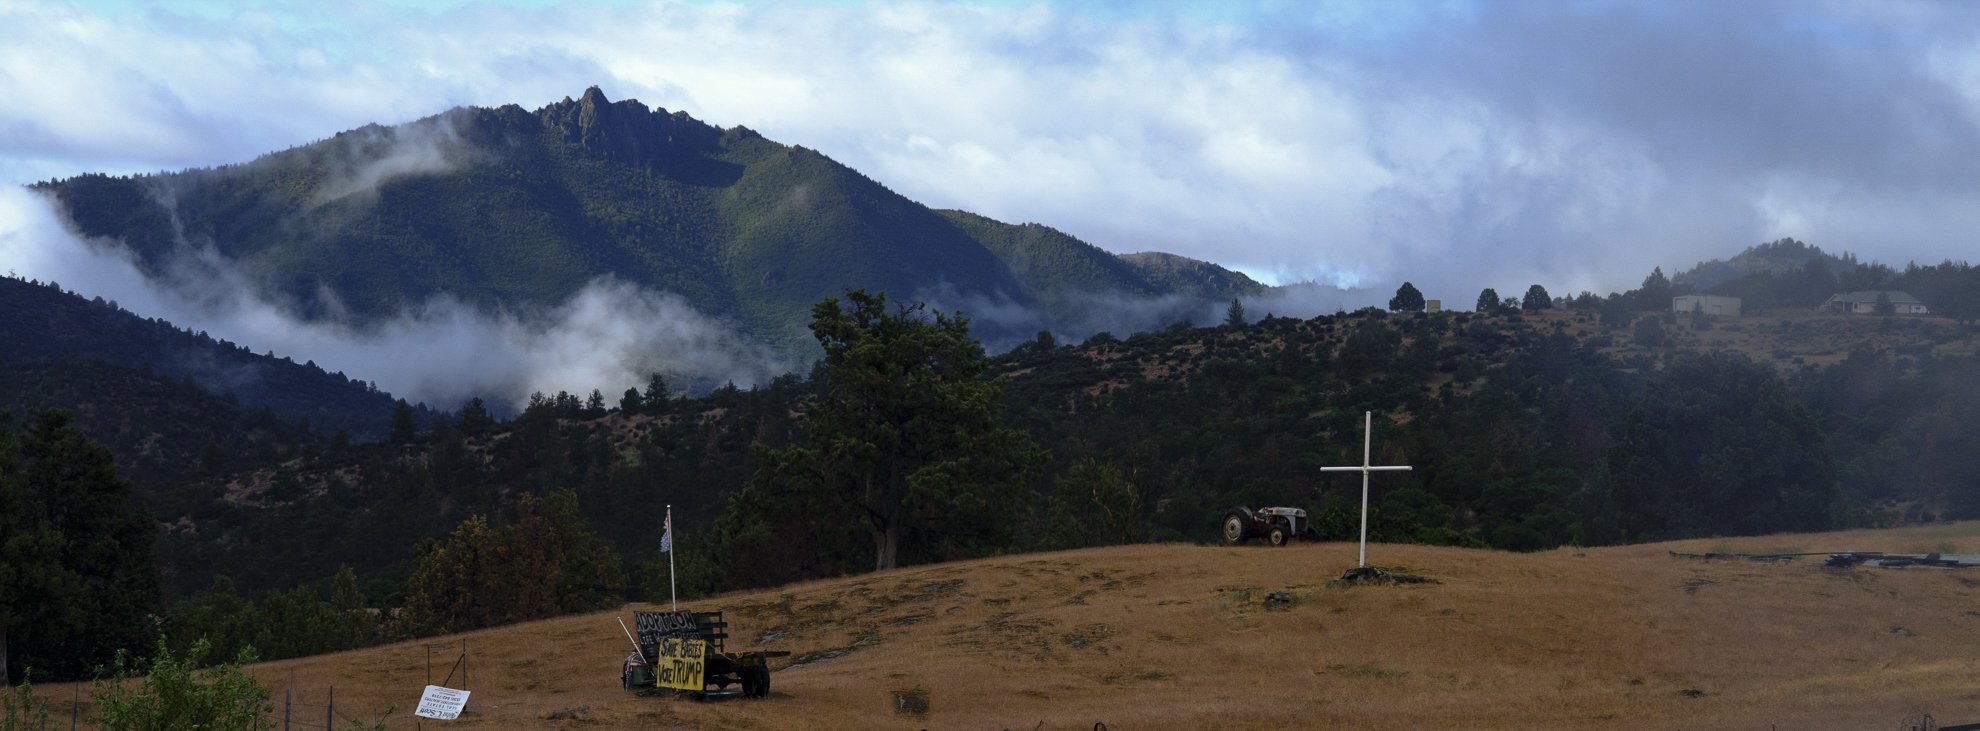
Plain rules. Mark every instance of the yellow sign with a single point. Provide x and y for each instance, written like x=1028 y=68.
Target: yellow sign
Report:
x=679 y=664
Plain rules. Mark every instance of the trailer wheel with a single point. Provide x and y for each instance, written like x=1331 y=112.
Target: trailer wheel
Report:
x=1237 y=526
x=1280 y=535
x=755 y=680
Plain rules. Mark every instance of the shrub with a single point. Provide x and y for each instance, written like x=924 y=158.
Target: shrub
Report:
x=179 y=694
x=20 y=711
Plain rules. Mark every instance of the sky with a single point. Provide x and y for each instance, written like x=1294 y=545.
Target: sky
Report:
x=1457 y=145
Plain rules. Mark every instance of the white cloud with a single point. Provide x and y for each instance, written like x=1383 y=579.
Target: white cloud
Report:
x=1457 y=145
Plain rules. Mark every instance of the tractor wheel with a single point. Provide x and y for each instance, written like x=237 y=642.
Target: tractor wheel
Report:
x=1237 y=526
x=1281 y=534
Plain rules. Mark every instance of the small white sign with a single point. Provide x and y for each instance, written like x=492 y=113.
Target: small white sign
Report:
x=441 y=703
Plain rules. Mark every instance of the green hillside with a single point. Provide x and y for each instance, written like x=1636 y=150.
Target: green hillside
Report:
x=513 y=209
x=65 y=351
x=159 y=429
x=1527 y=431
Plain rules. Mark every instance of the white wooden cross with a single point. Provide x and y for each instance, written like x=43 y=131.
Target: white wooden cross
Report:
x=1368 y=440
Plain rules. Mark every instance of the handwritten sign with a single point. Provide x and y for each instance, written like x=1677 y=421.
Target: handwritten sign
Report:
x=441 y=703
x=664 y=623
x=655 y=625
x=679 y=664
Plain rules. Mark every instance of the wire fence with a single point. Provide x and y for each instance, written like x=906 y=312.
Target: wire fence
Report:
x=300 y=709
x=293 y=709
x=296 y=710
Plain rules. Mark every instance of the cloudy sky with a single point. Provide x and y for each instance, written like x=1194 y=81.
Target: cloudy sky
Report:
x=1458 y=145
x=1454 y=144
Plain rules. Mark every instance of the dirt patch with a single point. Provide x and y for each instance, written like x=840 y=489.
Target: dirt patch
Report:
x=1378 y=576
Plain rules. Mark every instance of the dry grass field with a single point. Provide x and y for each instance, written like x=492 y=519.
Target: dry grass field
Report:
x=1183 y=637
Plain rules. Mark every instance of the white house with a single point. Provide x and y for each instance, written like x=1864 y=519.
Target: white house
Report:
x=1866 y=303
x=1709 y=304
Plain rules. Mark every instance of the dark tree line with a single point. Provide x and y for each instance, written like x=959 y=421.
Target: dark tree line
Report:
x=77 y=580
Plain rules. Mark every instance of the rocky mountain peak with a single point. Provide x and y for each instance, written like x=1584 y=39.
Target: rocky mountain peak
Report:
x=625 y=130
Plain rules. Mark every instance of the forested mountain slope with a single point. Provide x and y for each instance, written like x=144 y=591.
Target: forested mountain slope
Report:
x=162 y=397
x=514 y=209
x=1526 y=431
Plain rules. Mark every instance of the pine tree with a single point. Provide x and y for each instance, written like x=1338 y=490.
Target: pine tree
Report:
x=905 y=439
x=76 y=578
x=1234 y=315
x=475 y=418
x=657 y=394
x=1655 y=294
x=1407 y=299
x=1536 y=299
x=402 y=423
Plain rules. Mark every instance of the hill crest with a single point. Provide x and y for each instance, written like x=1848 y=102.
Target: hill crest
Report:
x=1154 y=636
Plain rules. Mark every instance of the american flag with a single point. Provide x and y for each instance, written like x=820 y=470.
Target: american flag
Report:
x=667 y=533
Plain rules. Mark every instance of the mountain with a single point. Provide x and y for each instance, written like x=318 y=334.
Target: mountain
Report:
x=163 y=397
x=517 y=210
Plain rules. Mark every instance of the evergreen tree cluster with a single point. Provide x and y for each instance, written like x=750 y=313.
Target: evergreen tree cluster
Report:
x=77 y=580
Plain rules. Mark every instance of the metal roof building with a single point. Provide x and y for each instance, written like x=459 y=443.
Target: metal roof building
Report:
x=1865 y=302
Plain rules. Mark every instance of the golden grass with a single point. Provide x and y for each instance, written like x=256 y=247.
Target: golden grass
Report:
x=1181 y=637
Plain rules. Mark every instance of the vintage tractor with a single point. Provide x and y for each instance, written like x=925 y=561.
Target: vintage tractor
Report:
x=1278 y=526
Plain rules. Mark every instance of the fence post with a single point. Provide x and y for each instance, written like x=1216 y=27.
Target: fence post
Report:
x=329 y=710
x=286 y=692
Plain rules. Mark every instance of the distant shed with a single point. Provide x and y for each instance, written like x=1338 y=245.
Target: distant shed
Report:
x=1709 y=304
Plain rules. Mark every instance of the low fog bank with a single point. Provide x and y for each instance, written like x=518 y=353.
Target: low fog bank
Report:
x=1303 y=300
x=609 y=336
x=1003 y=324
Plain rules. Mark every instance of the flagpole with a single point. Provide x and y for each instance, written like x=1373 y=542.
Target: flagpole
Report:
x=671 y=593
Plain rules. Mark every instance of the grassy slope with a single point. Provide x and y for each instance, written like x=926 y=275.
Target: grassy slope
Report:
x=1176 y=636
